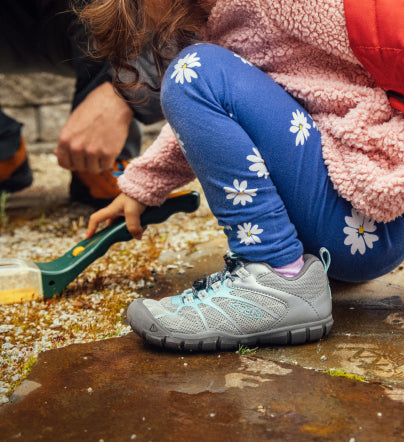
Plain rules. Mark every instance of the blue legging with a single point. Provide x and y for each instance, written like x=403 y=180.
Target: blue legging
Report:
x=257 y=154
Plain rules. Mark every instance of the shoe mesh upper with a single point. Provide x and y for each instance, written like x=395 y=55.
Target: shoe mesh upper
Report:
x=216 y=321
x=168 y=305
x=308 y=287
x=275 y=305
x=188 y=321
x=249 y=318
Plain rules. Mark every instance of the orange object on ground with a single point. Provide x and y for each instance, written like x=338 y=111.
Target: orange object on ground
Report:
x=15 y=173
x=9 y=166
x=97 y=188
x=376 y=36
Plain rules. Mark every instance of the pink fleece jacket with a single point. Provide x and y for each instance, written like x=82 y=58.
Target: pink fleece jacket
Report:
x=303 y=45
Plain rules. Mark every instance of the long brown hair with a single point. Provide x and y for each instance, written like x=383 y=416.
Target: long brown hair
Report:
x=122 y=29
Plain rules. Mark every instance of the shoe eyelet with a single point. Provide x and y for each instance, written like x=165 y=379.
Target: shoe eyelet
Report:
x=188 y=299
x=202 y=294
x=242 y=273
x=216 y=286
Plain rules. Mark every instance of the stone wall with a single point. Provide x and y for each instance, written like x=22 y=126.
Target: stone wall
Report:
x=40 y=101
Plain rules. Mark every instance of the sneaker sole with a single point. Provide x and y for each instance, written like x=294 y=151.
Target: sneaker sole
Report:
x=144 y=324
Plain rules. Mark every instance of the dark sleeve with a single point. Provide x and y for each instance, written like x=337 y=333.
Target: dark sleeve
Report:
x=148 y=110
x=91 y=73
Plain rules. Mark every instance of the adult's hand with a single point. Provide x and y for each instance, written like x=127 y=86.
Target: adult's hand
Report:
x=94 y=134
x=122 y=205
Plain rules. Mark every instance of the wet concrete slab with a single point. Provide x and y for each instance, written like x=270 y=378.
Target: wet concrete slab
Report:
x=121 y=390
x=373 y=352
x=367 y=338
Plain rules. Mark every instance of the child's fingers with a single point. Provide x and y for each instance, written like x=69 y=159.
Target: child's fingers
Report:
x=92 y=225
x=122 y=205
x=106 y=214
x=132 y=217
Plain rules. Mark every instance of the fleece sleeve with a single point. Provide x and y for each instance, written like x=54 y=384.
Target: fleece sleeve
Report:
x=153 y=176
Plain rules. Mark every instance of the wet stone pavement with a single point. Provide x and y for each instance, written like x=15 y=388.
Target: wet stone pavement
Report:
x=120 y=390
x=347 y=387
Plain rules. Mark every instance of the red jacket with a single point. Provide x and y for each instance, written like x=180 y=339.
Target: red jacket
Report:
x=376 y=36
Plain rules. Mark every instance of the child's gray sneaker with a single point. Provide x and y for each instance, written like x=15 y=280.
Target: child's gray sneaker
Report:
x=247 y=303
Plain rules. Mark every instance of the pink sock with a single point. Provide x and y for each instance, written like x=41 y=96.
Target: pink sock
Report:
x=292 y=269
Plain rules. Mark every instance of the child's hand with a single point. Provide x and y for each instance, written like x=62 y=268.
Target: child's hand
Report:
x=122 y=205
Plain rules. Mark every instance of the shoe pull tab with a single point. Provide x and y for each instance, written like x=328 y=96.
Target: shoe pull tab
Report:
x=325 y=258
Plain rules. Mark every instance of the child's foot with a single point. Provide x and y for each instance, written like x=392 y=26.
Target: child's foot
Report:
x=247 y=303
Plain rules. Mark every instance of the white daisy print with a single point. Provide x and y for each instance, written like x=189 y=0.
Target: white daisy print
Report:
x=259 y=165
x=183 y=68
x=300 y=126
x=243 y=60
x=240 y=194
x=359 y=232
x=180 y=142
x=248 y=234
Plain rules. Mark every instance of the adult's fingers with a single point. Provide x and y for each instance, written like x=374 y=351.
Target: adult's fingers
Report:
x=63 y=156
x=98 y=160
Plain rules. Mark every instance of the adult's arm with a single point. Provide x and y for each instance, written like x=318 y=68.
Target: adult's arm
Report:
x=95 y=133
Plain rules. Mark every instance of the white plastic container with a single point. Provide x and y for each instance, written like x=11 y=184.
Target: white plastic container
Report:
x=20 y=281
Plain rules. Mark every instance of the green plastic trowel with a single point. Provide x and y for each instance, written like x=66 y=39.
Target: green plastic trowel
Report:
x=22 y=280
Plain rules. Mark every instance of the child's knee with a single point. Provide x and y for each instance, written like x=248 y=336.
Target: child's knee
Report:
x=190 y=70
x=190 y=58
